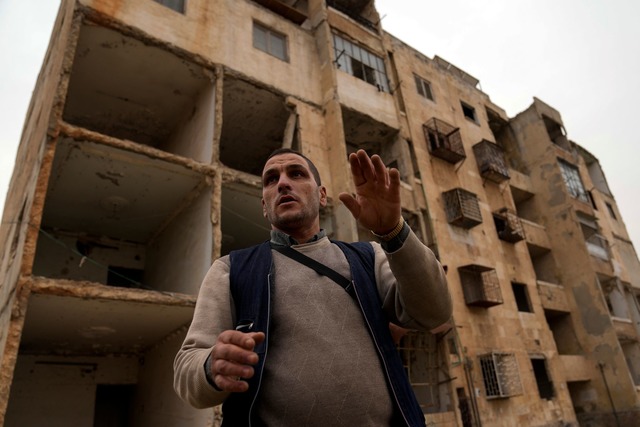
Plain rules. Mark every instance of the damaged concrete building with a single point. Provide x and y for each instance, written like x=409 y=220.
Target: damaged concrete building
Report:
x=139 y=164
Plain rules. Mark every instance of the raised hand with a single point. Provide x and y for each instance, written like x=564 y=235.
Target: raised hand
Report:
x=376 y=204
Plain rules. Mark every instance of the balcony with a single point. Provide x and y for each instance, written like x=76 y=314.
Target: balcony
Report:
x=491 y=162
x=480 y=286
x=552 y=297
x=462 y=208
x=444 y=141
x=508 y=225
x=536 y=237
x=625 y=331
x=294 y=12
x=576 y=367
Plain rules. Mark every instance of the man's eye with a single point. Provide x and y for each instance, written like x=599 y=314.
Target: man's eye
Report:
x=270 y=179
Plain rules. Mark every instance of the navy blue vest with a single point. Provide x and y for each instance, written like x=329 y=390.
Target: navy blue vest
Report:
x=252 y=282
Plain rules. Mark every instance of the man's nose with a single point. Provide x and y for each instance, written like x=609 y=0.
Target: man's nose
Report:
x=283 y=183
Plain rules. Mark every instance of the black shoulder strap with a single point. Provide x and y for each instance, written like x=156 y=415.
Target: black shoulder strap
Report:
x=318 y=267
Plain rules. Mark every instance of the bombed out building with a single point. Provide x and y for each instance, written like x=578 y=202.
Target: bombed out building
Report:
x=140 y=163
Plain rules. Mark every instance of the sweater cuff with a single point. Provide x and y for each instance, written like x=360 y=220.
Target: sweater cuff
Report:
x=207 y=373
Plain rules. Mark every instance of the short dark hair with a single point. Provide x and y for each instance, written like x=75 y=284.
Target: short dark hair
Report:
x=314 y=170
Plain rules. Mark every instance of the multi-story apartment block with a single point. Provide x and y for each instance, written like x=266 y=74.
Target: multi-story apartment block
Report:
x=140 y=161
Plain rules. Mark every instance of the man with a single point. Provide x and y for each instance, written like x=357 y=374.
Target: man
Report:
x=282 y=344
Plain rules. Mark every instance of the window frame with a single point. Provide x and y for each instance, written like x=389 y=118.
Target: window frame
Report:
x=573 y=180
x=350 y=56
x=270 y=34
x=424 y=87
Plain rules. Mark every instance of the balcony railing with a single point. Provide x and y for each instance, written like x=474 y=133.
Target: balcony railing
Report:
x=444 y=141
x=508 y=225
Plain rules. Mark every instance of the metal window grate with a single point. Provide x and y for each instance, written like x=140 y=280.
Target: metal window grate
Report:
x=491 y=162
x=480 y=285
x=444 y=141
x=462 y=208
x=500 y=375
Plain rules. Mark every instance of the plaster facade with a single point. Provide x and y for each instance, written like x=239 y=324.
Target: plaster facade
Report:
x=139 y=164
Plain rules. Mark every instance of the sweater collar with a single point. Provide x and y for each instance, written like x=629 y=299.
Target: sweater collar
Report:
x=280 y=238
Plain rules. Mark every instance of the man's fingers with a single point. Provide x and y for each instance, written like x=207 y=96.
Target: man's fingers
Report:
x=230 y=369
x=351 y=203
x=230 y=384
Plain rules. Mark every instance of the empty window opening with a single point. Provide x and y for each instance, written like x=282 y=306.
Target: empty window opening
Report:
x=545 y=386
x=113 y=406
x=111 y=217
x=360 y=63
x=480 y=285
x=469 y=112
x=254 y=123
x=564 y=335
x=612 y=212
x=500 y=375
x=521 y=295
x=444 y=141
x=121 y=87
x=571 y=176
x=465 y=406
x=270 y=41
x=556 y=133
x=177 y=5
x=462 y=208
x=597 y=245
x=423 y=87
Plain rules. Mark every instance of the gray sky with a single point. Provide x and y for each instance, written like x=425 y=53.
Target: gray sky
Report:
x=579 y=56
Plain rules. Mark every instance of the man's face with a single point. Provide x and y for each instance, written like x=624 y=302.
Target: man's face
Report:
x=291 y=198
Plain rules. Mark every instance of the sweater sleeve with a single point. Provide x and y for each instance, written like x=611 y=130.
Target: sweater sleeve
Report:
x=212 y=315
x=412 y=285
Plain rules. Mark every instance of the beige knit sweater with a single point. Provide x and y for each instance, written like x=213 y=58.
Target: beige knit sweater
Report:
x=322 y=368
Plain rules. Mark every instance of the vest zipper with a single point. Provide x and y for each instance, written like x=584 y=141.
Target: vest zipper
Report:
x=382 y=358
x=266 y=347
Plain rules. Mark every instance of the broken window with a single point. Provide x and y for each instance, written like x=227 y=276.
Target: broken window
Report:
x=469 y=112
x=360 y=63
x=508 y=225
x=491 y=162
x=480 y=285
x=462 y=208
x=521 y=295
x=177 y=5
x=424 y=87
x=444 y=141
x=545 y=386
x=270 y=41
x=556 y=133
x=571 y=175
x=597 y=245
x=500 y=375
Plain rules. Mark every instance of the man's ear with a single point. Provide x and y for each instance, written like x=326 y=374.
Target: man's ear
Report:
x=264 y=208
x=323 y=195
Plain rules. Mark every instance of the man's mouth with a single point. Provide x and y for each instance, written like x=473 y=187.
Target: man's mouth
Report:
x=286 y=199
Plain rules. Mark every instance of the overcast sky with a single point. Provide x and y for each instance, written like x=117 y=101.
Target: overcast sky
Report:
x=579 y=56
